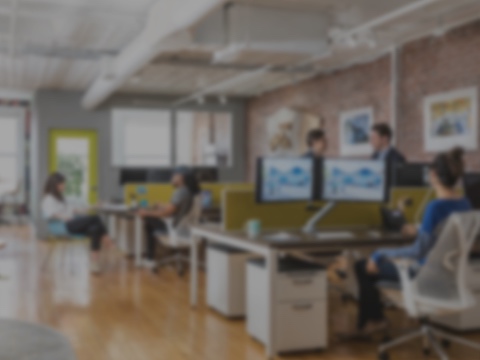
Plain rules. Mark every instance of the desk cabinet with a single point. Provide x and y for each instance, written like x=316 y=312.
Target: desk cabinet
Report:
x=300 y=302
x=226 y=280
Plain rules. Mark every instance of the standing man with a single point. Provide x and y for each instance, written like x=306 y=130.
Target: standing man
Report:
x=317 y=144
x=381 y=141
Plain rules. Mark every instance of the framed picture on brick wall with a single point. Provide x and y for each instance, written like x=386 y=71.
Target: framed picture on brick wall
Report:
x=451 y=119
x=355 y=131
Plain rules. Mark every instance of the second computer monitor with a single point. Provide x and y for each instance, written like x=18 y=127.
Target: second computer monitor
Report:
x=285 y=180
x=471 y=185
x=411 y=175
x=354 y=180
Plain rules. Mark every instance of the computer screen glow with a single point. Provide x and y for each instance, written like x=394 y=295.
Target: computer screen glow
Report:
x=286 y=180
x=354 y=180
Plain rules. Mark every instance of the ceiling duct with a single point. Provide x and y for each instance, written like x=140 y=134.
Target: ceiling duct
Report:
x=246 y=31
x=166 y=30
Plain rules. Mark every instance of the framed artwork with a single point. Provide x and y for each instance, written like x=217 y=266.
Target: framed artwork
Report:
x=282 y=132
x=287 y=130
x=355 y=129
x=451 y=119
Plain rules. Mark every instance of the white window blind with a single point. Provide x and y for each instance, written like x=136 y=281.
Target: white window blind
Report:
x=204 y=138
x=12 y=152
x=141 y=138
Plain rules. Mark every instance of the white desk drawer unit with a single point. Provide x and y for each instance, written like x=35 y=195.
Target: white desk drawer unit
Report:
x=301 y=305
x=226 y=280
x=301 y=285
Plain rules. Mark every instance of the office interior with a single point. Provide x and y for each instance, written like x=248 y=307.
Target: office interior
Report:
x=162 y=195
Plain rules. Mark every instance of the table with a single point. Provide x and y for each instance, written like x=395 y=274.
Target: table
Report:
x=294 y=242
x=24 y=341
x=119 y=214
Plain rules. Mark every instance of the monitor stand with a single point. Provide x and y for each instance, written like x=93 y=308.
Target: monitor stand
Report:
x=311 y=226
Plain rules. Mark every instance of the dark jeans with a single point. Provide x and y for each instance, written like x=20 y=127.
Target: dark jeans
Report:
x=88 y=225
x=153 y=226
x=370 y=304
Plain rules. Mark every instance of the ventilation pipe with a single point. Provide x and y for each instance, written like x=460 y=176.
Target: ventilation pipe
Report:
x=166 y=30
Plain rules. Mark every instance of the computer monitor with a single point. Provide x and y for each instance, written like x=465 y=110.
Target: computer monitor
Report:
x=471 y=185
x=411 y=175
x=354 y=180
x=285 y=180
x=160 y=176
x=128 y=176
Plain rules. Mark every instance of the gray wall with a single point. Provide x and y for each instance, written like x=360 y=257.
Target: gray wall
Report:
x=62 y=110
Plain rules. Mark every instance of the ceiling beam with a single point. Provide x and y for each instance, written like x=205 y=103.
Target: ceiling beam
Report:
x=63 y=11
x=230 y=66
x=224 y=85
x=166 y=30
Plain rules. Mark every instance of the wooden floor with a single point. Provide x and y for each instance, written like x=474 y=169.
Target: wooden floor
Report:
x=128 y=314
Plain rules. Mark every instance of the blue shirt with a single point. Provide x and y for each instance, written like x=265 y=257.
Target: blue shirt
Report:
x=436 y=213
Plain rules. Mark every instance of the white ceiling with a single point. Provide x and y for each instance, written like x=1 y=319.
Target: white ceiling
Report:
x=67 y=44
x=60 y=43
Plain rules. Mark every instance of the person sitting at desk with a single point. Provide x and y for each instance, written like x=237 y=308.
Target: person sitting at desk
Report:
x=317 y=144
x=445 y=172
x=55 y=208
x=186 y=188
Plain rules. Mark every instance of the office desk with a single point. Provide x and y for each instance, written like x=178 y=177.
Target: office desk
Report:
x=271 y=250
x=118 y=216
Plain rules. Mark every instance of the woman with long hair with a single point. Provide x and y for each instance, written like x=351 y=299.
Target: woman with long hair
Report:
x=445 y=172
x=56 y=208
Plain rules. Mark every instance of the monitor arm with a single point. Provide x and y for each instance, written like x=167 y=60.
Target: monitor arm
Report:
x=311 y=225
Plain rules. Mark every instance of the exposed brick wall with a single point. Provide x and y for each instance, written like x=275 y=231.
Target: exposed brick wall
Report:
x=435 y=65
x=428 y=66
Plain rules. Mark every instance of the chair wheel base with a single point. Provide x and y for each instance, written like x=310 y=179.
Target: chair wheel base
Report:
x=446 y=343
x=384 y=356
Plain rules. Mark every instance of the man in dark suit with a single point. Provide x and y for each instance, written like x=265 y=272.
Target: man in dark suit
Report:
x=317 y=144
x=381 y=141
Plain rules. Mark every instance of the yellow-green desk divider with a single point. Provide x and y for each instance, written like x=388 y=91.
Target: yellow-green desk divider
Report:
x=239 y=206
x=420 y=197
x=162 y=193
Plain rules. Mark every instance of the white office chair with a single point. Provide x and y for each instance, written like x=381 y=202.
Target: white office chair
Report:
x=440 y=286
x=177 y=238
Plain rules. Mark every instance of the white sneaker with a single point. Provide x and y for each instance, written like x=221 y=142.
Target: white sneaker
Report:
x=149 y=264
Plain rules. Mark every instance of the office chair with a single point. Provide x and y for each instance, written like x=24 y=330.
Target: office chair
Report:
x=177 y=238
x=59 y=236
x=440 y=286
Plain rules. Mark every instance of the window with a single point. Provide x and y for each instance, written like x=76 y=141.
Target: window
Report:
x=11 y=151
x=142 y=138
x=204 y=138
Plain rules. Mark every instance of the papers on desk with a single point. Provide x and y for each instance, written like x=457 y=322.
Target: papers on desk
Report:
x=282 y=237
x=333 y=235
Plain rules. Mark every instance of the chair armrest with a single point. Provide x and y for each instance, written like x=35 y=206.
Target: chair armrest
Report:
x=407 y=284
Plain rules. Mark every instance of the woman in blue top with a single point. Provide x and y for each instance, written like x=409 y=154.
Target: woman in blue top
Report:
x=444 y=175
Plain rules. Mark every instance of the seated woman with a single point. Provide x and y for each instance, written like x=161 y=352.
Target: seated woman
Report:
x=55 y=208
x=445 y=173
x=186 y=188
